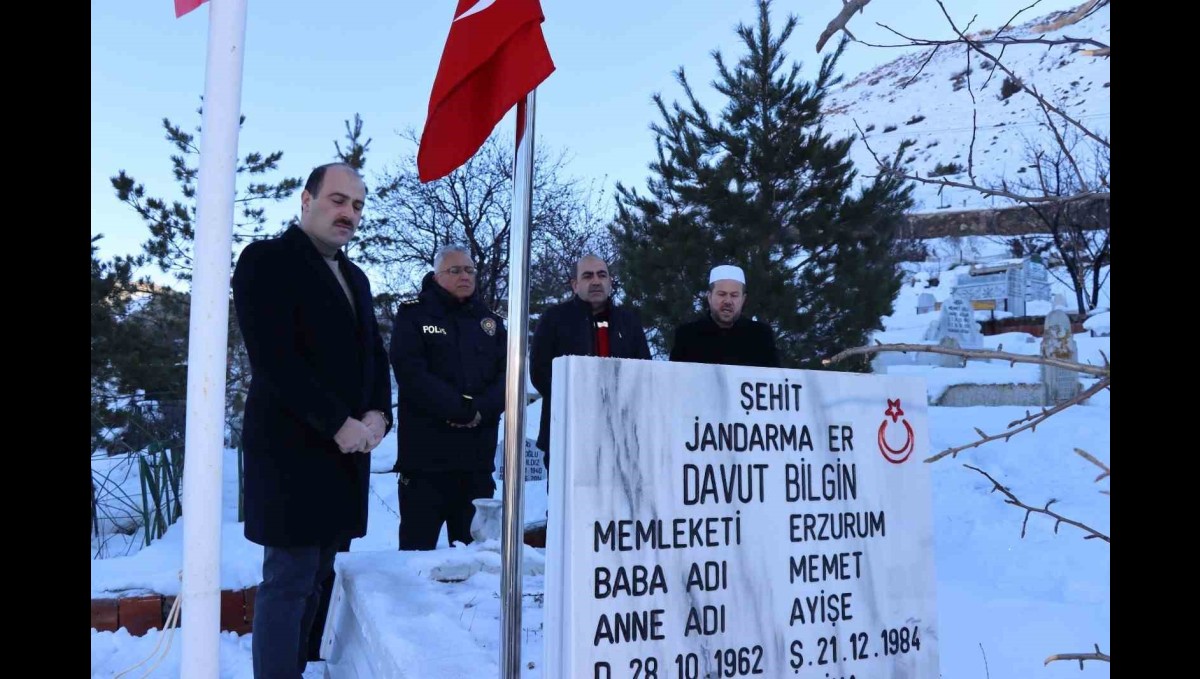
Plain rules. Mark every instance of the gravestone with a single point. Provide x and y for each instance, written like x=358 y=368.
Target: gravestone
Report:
x=949 y=360
x=535 y=467
x=727 y=521
x=1059 y=384
x=958 y=322
x=1005 y=287
x=925 y=303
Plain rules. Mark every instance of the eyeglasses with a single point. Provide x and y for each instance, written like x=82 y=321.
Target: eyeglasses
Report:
x=456 y=270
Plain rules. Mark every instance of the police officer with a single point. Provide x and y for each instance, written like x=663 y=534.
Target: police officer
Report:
x=722 y=335
x=448 y=356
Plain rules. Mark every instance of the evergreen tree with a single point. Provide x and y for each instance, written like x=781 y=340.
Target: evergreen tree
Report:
x=152 y=326
x=763 y=186
x=138 y=358
x=172 y=223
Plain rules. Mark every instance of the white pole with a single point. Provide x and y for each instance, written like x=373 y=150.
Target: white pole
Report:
x=208 y=333
x=514 y=401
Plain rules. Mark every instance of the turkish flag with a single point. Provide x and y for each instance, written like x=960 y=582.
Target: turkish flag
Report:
x=184 y=6
x=495 y=54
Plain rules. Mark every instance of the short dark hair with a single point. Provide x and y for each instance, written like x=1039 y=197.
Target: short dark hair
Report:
x=317 y=176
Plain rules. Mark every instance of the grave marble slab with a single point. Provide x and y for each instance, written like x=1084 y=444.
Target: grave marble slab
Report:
x=722 y=521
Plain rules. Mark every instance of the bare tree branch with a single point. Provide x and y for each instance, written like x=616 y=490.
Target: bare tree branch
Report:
x=974 y=124
x=1001 y=193
x=977 y=46
x=987 y=192
x=1073 y=18
x=1047 y=107
x=1008 y=24
x=1084 y=368
x=471 y=206
x=849 y=7
x=1079 y=656
x=1033 y=421
x=919 y=70
x=1032 y=90
x=1078 y=233
x=1058 y=518
x=1004 y=41
x=1087 y=456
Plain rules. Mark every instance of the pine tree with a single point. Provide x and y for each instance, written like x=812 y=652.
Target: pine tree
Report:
x=172 y=224
x=138 y=357
x=355 y=154
x=763 y=186
x=155 y=363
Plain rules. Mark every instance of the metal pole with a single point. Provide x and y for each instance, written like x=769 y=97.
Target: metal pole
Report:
x=207 y=336
x=514 y=400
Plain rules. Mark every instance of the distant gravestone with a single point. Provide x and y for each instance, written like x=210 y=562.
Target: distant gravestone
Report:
x=958 y=322
x=1017 y=294
x=1005 y=287
x=535 y=468
x=1059 y=384
x=1036 y=279
x=948 y=360
x=925 y=303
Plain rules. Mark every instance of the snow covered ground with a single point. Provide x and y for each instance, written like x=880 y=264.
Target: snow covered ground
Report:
x=1005 y=603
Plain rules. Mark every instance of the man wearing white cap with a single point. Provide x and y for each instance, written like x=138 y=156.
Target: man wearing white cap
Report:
x=722 y=335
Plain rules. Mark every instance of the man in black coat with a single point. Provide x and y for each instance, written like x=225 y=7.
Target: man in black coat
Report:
x=588 y=324
x=318 y=403
x=448 y=355
x=722 y=335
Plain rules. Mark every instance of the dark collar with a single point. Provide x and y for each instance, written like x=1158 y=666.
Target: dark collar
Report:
x=438 y=296
x=586 y=306
x=707 y=323
x=298 y=238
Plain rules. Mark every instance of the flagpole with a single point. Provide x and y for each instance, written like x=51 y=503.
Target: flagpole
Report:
x=207 y=337
x=514 y=396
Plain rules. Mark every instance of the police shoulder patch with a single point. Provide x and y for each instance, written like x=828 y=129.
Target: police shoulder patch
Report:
x=489 y=325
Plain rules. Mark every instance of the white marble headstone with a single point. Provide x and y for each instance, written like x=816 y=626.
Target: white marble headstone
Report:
x=723 y=521
x=1058 y=341
x=535 y=467
x=958 y=321
x=925 y=303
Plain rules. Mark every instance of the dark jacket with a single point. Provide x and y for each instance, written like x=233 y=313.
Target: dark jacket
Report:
x=314 y=362
x=443 y=350
x=746 y=343
x=566 y=330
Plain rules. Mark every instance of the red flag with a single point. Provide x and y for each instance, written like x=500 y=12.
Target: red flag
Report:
x=495 y=54
x=184 y=6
